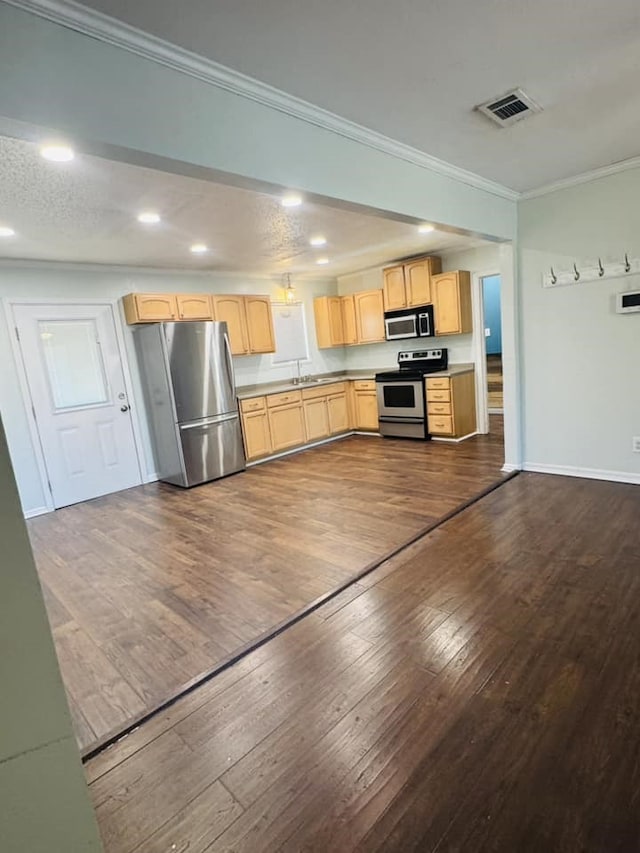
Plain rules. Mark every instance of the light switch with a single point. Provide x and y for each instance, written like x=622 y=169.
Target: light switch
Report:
x=487 y=333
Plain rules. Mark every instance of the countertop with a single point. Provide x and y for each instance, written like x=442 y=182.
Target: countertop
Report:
x=453 y=370
x=245 y=392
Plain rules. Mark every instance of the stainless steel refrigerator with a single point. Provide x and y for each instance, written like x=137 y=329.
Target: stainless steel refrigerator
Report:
x=187 y=377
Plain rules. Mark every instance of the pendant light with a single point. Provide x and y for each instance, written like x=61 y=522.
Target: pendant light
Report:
x=289 y=291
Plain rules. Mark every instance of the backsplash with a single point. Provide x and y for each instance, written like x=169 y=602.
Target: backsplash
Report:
x=385 y=355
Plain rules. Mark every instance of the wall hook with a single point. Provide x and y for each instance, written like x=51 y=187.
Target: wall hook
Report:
x=627 y=265
x=600 y=268
x=576 y=274
x=554 y=277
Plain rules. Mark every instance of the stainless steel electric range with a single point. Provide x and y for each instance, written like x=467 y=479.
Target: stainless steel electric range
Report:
x=402 y=410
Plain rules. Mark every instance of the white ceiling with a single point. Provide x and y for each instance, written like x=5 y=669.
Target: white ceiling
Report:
x=85 y=211
x=414 y=70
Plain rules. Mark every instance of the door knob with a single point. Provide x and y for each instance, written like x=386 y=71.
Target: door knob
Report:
x=124 y=408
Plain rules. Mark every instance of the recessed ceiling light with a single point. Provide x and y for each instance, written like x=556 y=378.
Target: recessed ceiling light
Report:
x=322 y=261
x=291 y=200
x=149 y=217
x=57 y=152
x=425 y=229
x=199 y=248
x=318 y=241
x=5 y=231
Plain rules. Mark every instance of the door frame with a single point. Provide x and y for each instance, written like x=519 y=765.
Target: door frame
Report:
x=25 y=390
x=480 y=346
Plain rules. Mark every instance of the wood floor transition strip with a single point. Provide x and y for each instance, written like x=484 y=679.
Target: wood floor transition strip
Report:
x=113 y=737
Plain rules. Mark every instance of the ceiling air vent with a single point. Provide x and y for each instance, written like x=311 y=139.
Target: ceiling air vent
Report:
x=509 y=108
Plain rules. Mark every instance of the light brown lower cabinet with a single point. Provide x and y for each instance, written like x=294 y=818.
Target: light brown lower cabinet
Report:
x=365 y=405
x=286 y=420
x=451 y=405
x=316 y=418
x=257 y=436
x=255 y=428
x=338 y=413
x=325 y=410
x=278 y=422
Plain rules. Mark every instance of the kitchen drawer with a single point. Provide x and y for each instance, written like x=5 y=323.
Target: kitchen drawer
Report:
x=434 y=384
x=440 y=425
x=364 y=385
x=284 y=399
x=438 y=408
x=334 y=390
x=438 y=396
x=255 y=404
x=323 y=390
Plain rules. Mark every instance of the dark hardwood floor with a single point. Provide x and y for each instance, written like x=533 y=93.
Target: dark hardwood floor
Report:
x=150 y=588
x=480 y=691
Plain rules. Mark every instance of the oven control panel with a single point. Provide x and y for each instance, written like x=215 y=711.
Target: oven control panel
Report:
x=407 y=356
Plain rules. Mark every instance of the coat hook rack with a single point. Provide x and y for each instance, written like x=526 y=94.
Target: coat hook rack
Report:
x=596 y=270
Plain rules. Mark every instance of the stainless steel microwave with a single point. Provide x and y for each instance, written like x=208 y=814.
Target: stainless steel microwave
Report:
x=409 y=323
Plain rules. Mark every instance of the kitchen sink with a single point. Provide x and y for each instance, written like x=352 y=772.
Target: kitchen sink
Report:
x=314 y=381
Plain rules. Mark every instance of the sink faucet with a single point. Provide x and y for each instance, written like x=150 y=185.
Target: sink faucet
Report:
x=297 y=379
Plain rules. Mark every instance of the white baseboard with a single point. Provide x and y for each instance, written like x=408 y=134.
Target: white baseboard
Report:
x=496 y=411
x=454 y=440
x=40 y=510
x=509 y=469
x=588 y=473
x=151 y=478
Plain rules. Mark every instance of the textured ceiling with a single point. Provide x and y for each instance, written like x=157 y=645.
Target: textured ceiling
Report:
x=414 y=70
x=85 y=211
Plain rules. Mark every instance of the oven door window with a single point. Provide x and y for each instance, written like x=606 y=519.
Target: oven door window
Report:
x=399 y=396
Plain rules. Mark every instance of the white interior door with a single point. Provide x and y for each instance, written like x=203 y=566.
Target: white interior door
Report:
x=75 y=376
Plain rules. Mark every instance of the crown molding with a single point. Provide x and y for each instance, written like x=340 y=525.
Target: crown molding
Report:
x=73 y=15
x=582 y=178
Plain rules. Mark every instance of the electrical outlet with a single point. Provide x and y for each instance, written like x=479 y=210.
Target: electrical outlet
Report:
x=635 y=443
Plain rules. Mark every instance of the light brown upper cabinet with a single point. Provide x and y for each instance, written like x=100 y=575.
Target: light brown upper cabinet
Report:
x=451 y=293
x=150 y=307
x=260 y=324
x=194 y=306
x=369 y=316
x=395 y=297
x=408 y=285
x=327 y=311
x=231 y=310
x=356 y=319
x=349 y=320
x=248 y=320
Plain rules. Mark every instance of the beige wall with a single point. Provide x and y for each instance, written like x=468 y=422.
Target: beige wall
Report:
x=580 y=358
x=44 y=803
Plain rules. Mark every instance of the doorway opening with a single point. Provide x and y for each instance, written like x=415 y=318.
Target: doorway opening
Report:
x=491 y=302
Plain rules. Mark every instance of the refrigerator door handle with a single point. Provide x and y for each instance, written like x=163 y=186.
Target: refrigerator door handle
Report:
x=219 y=419
x=229 y=358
